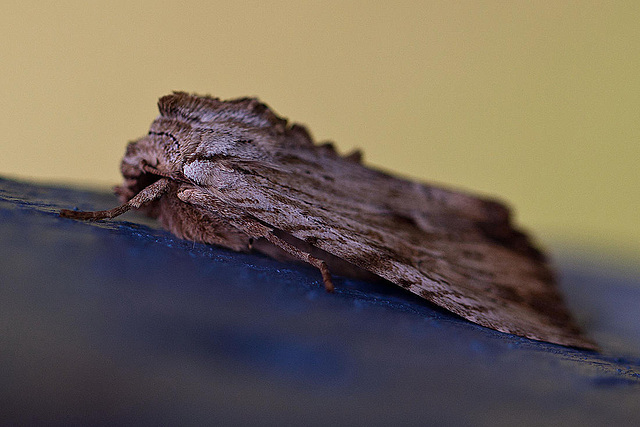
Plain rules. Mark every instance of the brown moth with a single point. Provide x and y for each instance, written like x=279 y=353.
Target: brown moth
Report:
x=234 y=174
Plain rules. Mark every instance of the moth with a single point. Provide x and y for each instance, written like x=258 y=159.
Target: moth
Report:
x=235 y=174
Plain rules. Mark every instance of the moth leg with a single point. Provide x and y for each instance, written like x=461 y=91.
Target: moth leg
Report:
x=304 y=256
x=253 y=228
x=175 y=176
x=148 y=194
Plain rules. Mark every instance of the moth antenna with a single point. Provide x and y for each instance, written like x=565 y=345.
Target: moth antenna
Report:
x=149 y=194
x=95 y=215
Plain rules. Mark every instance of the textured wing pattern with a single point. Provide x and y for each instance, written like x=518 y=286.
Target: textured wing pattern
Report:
x=239 y=166
x=455 y=250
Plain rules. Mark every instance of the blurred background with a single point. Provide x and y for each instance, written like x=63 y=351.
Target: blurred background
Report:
x=537 y=103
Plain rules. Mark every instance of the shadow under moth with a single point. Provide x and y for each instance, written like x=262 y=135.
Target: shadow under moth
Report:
x=234 y=174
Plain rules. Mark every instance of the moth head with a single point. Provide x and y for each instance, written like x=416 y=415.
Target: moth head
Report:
x=233 y=127
x=205 y=134
x=159 y=150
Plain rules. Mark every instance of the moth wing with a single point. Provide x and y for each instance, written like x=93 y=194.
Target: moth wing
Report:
x=455 y=250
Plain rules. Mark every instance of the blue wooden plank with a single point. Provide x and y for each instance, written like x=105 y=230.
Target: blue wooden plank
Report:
x=120 y=322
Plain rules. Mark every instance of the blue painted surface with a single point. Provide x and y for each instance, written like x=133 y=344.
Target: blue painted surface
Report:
x=120 y=322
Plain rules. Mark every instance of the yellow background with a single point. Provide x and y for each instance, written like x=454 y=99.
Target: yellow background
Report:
x=536 y=102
